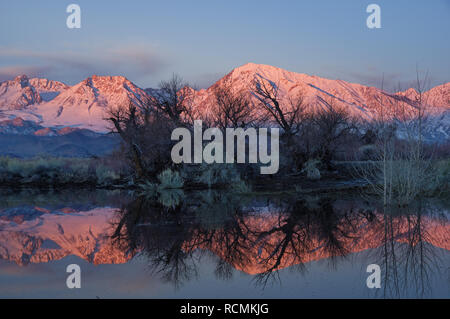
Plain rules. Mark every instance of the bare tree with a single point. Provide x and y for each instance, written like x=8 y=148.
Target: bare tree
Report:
x=145 y=134
x=145 y=129
x=127 y=122
x=402 y=170
x=329 y=126
x=286 y=112
x=174 y=98
x=233 y=108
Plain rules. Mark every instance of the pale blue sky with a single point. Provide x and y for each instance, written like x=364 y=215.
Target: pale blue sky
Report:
x=203 y=40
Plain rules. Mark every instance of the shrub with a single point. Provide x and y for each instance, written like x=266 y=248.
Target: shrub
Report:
x=170 y=180
x=105 y=176
x=56 y=171
x=439 y=181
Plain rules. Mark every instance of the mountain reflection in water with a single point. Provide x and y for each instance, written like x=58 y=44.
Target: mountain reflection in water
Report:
x=258 y=235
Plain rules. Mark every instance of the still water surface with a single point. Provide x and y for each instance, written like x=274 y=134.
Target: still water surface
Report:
x=220 y=245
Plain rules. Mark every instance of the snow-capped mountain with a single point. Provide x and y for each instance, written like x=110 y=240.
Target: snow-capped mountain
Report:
x=22 y=92
x=358 y=99
x=47 y=89
x=85 y=104
x=439 y=95
x=51 y=103
x=18 y=93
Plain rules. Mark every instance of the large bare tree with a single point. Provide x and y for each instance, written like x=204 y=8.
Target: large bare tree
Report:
x=145 y=128
x=286 y=111
x=174 y=98
x=330 y=125
x=233 y=108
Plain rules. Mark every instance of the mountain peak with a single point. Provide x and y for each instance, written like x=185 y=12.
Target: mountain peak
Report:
x=257 y=68
x=22 y=79
x=107 y=82
x=248 y=71
x=83 y=105
x=117 y=78
x=18 y=93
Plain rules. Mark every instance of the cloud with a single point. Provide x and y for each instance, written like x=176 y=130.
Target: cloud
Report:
x=64 y=58
x=204 y=81
x=133 y=61
x=145 y=61
x=10 y=72
x=394 y=82
x=370 y=75
x=378 y=79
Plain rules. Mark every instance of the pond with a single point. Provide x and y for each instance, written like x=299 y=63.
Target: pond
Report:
x=215 y=244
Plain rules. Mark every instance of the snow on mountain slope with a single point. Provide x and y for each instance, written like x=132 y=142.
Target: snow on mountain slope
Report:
x=437 y=127
x=52 y=103
x=358 y=99
x=19 y=97
x=18 y=93
x=22 y=92
x=439 y=95
x=83 y=105
x=48 y=89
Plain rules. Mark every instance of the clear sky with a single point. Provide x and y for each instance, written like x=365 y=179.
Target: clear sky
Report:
x=147 y=41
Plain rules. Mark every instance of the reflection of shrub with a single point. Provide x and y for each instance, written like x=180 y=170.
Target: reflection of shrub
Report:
x=439 y=181
x=170 y=198
x=312 y=172
x=241 y=187
x=367 y=152
x=214 y=174
x=170 y=180
x=147 y=189
x=105 y=176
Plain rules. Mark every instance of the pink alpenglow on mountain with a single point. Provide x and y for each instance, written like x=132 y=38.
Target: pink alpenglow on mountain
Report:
x=52 y=103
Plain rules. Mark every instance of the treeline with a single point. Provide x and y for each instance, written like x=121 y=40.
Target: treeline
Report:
x=311 y=137
x=322 y=141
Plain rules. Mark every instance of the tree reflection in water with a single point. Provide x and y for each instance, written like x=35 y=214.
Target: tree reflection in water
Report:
x=408 y=255
x=261 y=236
